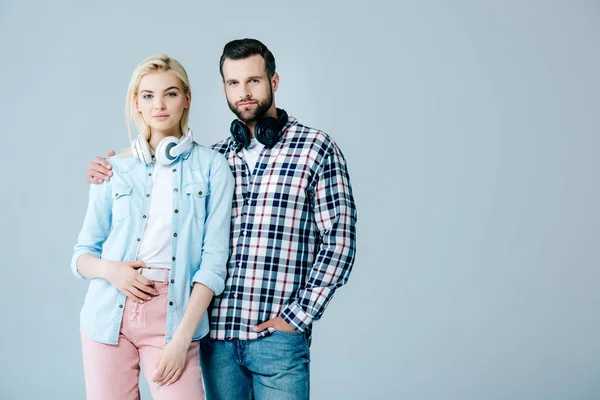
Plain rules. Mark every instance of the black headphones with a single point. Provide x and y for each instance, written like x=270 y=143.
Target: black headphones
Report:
x=268 y=130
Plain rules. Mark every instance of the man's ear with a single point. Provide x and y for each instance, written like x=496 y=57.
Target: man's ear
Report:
x=275 y=82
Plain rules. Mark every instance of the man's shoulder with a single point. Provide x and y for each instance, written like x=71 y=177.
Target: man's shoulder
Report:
x=312 y=137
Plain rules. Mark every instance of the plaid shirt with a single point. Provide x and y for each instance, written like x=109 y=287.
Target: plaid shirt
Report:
x=292 y=233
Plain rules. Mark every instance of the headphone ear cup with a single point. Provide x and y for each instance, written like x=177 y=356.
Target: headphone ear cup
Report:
x=240 y=133
x=163 y=150
x=141 y=150
x=282 y=118
x=267 y=131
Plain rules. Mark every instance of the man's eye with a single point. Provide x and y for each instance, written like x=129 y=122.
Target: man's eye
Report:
x=232 y=83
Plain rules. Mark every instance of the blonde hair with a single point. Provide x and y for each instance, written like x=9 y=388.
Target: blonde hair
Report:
x=158 y=63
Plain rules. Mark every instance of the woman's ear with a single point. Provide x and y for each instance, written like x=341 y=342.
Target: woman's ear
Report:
x=188 y=98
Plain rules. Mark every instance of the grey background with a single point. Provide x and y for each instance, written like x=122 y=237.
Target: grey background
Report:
x=471 y=132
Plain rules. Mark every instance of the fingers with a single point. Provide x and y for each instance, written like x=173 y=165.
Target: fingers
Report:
x=139 y=277
x=158 y=372
x=143 y=280
x=167 y=376
x=137 y=264
x=175 y=377
x=99 y=169
x=90 y=177
x=263 y=326
x=136 y=295
x=111 y=153
x=145 y=288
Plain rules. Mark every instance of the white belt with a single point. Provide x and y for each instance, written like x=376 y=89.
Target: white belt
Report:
x=160 y=275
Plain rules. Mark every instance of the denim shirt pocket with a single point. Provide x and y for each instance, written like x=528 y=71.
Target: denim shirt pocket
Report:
x=121 y=209
x=197 y=193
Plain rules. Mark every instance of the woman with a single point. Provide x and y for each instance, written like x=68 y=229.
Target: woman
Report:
x=154 y=243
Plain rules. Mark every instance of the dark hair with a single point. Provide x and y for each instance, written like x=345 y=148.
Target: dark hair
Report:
x=244 y=48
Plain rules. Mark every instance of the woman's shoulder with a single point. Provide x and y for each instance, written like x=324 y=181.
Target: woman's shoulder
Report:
x=204 y=155
x=123 y=161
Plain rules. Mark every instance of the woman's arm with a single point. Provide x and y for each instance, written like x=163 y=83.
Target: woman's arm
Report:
x=174 y=355
x=217 y=227
x=86 y=261
x=209 y=280
x=121 y=275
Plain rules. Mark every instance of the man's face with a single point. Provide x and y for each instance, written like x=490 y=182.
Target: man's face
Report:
x=247 y=88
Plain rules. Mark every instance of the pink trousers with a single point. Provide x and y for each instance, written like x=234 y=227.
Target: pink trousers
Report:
x=112 y=372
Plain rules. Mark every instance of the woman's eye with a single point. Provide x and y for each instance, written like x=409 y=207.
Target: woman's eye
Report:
x=147 y=96
x=172 y=94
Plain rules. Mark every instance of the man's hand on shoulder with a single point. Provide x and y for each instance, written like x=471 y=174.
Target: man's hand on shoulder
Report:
x=99 y=170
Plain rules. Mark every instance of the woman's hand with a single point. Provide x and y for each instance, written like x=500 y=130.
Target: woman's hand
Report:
x=123 y=276
x=171 y=363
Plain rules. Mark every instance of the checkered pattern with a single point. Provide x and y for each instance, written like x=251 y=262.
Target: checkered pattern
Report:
x=293 y=233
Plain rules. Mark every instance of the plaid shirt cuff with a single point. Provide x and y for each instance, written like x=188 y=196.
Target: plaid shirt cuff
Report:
x=296 y=317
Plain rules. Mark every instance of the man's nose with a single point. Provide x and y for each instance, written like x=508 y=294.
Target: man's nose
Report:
x=246 y=93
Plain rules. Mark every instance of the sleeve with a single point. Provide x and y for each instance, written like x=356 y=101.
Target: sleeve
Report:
x=217 y=226
x=335 y=215
x=96 y=225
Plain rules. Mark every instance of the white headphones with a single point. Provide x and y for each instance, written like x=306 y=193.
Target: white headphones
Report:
x=167 y=150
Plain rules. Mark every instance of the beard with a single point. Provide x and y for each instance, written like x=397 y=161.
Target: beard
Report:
x=247 y=116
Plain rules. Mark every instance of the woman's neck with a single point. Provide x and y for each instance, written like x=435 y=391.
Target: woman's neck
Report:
x=157 y=136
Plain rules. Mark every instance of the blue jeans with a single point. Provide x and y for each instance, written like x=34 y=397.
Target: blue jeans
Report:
x=275 y=367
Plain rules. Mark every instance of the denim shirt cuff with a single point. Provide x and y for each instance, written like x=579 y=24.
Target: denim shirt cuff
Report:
x=76 y=256
x=211 y=280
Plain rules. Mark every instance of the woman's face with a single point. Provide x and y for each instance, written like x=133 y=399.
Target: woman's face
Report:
x=161 y=101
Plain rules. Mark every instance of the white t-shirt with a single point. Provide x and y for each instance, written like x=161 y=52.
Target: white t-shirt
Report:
x=156 y=247
x=252 y=153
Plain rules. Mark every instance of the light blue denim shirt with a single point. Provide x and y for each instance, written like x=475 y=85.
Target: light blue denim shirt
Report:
x=114 y=225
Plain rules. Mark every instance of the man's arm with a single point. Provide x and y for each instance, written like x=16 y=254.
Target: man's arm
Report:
x=99 y=170
x=335 y=215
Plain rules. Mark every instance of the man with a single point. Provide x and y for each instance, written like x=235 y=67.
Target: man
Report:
x=293 y=237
